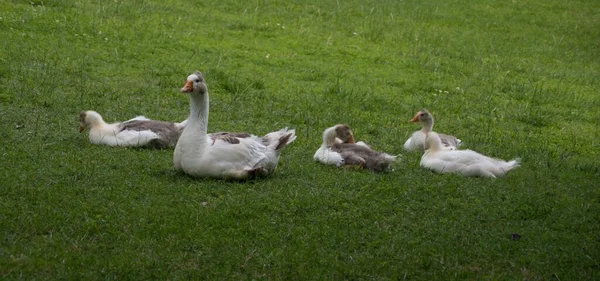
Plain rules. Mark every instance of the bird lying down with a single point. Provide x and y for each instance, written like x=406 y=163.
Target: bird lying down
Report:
x=339 y=148
x=137 y=132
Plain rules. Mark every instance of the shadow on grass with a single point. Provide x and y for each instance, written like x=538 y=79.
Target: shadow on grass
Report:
x=179 y=176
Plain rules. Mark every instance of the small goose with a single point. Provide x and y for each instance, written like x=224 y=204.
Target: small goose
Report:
x=137 y=132
x=417 y=139
x=237 y=156
x=339 y=149
x=466 y=162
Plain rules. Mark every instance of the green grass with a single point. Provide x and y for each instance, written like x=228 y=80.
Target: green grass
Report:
x=510 y=78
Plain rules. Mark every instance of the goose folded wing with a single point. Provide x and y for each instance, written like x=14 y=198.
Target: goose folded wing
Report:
x=327 y=156
x=248 y=151
x=135 y=138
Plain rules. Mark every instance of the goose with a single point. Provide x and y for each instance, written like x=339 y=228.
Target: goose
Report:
x=237 y=156
x=466 y=162
x=417 y=139
x=339 y=148
x=137 y=132
x=337 y=134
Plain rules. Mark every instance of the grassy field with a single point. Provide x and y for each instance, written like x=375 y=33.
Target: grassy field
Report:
x=510 y=78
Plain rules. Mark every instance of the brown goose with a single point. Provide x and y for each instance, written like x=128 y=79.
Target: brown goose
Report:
x=339 y=149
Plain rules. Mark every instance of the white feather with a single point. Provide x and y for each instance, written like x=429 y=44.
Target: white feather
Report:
x=328 y=157
x=416 y=142
x=199 y=155
x=465 y=162
x=113 y=134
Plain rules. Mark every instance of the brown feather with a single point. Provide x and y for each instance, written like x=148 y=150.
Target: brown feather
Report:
x=232 y=138
x=283 y=141
x=366 y=157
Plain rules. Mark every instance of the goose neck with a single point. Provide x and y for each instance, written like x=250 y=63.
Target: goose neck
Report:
x=427 y=126
x=433 y=143
x=199 y=106
x=329 y=136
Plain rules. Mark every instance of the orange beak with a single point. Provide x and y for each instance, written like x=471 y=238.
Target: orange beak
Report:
x=416 y=118
x=351 y=139
x=188 y=87
x=81 y=128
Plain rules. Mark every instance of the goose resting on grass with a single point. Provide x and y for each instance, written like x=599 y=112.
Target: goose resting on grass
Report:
x=137 y=132
x=339 y=149
x=223 y=155
x=417 y=139
x=466 y=162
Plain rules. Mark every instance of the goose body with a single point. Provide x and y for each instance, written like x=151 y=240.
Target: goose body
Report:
x=466 y=162
x=223 y=155
x=339 y=149
x=416 y=142
x=137 y=132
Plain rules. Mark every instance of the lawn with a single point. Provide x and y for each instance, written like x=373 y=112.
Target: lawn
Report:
x=509 y=78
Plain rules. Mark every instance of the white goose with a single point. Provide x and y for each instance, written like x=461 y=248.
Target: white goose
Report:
x=466 y=162
x=223 y=155
x=417 y=139
x=137 y=132
x=339 y=149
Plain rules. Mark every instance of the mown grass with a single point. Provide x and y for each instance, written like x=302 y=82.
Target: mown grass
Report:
x=510 y=78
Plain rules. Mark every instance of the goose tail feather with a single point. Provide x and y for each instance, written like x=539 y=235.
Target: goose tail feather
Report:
x=281 y=138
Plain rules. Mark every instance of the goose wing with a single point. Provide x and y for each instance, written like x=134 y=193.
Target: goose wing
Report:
x=244 y=150
x=328 y=157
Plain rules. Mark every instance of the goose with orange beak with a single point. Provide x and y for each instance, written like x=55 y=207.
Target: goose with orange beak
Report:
x=339 y=148
x=416 y=142
x=238 y=156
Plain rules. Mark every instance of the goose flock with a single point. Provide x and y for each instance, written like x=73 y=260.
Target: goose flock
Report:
x=242 y=156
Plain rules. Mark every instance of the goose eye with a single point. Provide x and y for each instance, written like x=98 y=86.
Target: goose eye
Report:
x=422 y=114
x=197 y=80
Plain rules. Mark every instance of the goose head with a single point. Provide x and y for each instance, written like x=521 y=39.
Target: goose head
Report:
x=424 y=118
x=195 y=84
x=89 y=119
x=340 y=133
x=433 y=141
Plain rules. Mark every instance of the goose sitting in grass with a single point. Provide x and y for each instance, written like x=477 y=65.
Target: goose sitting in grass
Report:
x=339 y=149
x=466 y=162
x=224 y=155
x=137 y=132
x=417 y=140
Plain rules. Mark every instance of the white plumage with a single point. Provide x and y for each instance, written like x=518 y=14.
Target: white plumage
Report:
x=339 y=149
x=137 y=132
x=416 y=142
x=224 y=155
x=465 y=162
x=325 y=154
